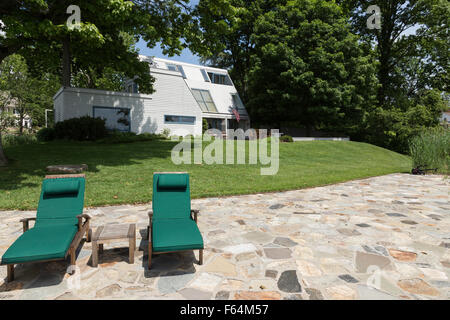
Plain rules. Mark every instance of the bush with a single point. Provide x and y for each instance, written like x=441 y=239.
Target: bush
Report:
x=432 y=149
x=125 y=137
x=205 y=125
x=165 y=133
x=81 y=129
x=46 y=134
x=286 y=138
x=14 y=140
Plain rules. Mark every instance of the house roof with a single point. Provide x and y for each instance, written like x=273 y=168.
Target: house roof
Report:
x=197 y=77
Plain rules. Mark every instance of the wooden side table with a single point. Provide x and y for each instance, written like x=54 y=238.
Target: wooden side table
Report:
x=113 y=233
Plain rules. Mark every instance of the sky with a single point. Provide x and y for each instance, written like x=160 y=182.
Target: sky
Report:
x=186 y=56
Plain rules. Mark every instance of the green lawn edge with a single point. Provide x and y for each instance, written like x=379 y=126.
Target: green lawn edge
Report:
x=122 y=173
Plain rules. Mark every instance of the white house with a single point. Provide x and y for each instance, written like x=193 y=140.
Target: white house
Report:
x=185 y=95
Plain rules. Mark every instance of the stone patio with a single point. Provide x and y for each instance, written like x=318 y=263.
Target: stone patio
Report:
x=380 y=238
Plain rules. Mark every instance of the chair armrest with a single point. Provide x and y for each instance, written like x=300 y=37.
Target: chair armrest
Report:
x=195 y=212
x=25 y=222
x=80 y=220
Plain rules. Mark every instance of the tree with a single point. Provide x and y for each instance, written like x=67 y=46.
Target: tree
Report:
x=16 y=83
x=227 y=27
x=37 y=29
x=6 y=120
x=309 y=68
x=412 y=66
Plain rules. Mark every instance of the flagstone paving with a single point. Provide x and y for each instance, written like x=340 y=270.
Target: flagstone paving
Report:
x=380 y=238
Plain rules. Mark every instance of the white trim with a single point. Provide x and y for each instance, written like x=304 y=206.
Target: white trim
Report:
x=102 y=92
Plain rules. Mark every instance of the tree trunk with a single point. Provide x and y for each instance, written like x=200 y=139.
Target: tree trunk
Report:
x=3 y=159
x=66 y=63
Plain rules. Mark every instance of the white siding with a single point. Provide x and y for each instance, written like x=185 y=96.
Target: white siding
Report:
x=172 y=97
x=221 y=94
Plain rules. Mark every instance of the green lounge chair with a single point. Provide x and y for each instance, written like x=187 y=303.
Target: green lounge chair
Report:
x=173 y=224
x=58 y=227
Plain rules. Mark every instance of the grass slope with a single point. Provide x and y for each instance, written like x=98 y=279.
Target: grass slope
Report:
x=122 y=173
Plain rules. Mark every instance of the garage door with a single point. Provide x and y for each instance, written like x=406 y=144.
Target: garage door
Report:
x=116 y=118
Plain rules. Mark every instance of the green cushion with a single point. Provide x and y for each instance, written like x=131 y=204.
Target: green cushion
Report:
x=171 y=203
x=59 y=186
x=41 y=243
x=172 y=182
x=175 y=235
x=61 y=205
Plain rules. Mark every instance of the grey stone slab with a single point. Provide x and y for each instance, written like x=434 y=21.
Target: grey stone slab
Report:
x=277 y=253
x=174 y=281
x=288 y=282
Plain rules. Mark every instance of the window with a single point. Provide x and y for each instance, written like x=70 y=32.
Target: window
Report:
x=204 y=100
x=205 y=75
x=178 y=68
x=133 y=88
x=115 y=118
x=219 y=78
x=237 y=103
x=179 y=119
x=172 y=67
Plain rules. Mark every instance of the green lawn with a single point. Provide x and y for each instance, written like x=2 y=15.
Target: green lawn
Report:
x=122 y=173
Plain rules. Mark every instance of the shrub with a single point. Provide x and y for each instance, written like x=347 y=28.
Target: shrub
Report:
x=84 y=128
x=286 y=138
x=13 y=140
x=431 y=148
x=46 y=134
x=125 y=137
x=205 y=125
x=165 y=133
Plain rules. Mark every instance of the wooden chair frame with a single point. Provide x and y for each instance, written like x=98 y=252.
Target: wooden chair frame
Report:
x=150 y=237
x=83 y=228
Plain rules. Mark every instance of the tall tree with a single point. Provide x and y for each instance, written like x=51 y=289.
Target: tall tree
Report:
x=38 y=30
x=310 y=69
x=396 y=41
x=412 y=47
x=227 y=27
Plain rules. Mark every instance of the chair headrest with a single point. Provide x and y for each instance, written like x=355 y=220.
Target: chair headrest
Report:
x=59 y=186
x=172 y=182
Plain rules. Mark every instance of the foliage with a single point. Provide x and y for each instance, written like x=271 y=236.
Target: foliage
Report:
x=413 y=68
x=431 y=148
x=205 y=126
x=28 y=94
x=46 y=134
x=81 y=129
x=310 y=68
x=165 y=133
x=14 y=140
x=394 y=127
x=38 y=30
x=227 y=35
x=128 y=137
x=286 y=138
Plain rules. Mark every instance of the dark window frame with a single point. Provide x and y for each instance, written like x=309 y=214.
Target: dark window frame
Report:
x=179 y=121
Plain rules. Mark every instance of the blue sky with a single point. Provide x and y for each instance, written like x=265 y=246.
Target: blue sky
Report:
x=186 y=56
